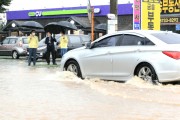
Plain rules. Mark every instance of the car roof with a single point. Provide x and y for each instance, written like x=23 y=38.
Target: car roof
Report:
x=143 y=33
x=16 y=37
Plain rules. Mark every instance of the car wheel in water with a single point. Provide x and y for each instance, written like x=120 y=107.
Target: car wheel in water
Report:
x=73 y=66
x=146 y=72
x=15 y=55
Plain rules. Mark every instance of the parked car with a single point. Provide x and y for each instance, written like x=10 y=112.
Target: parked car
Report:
x=14 y=46
x=75 y=41
x=151 y=55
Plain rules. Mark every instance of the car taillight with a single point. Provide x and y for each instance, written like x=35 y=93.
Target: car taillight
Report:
x=172 y=54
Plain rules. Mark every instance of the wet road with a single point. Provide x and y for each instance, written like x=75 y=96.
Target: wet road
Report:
x=45 y=93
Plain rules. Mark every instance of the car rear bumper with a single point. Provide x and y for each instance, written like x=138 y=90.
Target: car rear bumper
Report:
x=169 y=76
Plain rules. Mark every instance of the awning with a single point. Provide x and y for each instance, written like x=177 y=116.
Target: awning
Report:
x=82 y=22
x=15 y=25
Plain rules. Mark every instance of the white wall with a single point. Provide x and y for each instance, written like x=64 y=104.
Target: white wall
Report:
x=42 y=4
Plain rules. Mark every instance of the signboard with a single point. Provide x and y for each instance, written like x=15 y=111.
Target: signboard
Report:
x=178 y=27
x=61 y=12
x=111 y=26
x=137 y=15
x=170 y=6
x=150 y=19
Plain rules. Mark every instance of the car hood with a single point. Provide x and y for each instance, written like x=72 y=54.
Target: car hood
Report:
x=78 y=49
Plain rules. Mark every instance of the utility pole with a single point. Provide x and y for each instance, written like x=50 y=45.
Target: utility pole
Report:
x=113 y=7
x=114 y=10
x=91 y=18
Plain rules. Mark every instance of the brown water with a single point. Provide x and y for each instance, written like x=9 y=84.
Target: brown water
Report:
x=44 y=93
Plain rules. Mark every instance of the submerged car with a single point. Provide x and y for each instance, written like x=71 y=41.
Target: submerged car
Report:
x=153 y=56
x=14 y=46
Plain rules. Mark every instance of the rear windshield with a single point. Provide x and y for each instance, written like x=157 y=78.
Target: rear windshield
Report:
x=75 y=39
x=169 y=38
x=42 y=42
x=85 y=38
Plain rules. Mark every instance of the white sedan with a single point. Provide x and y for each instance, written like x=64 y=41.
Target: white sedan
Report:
x=151 y=55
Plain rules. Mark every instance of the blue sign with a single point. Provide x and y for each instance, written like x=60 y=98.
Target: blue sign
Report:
x=137 y=26
x=177 y=26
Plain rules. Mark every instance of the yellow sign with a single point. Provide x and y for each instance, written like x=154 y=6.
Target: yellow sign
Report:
x=170 y=6
x=150 y=12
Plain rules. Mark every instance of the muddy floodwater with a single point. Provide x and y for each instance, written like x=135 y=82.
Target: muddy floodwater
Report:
x=43 y=92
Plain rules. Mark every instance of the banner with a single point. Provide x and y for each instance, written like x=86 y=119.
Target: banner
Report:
x=150 y=11
x=137 y=15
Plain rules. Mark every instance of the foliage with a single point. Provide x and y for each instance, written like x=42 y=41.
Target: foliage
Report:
x=3 y=4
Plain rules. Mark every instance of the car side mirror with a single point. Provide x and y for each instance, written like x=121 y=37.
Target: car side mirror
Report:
x=88 y=45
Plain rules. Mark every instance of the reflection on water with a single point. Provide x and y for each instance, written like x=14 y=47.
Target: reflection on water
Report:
x=44 y=93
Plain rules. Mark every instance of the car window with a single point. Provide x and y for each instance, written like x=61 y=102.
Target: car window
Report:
x=148 y=42
x=25 y=40
x=12 y=40
x=169 y=38
x=6 y=41
x=42 y=42
x=132 y=40
x=57 y=38
x=74 y=40
x=106 y=42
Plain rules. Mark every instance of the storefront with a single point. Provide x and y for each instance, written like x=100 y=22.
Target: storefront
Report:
x=170 y=15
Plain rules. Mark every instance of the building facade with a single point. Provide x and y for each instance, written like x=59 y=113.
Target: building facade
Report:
x=170 y=17
x=77 y=14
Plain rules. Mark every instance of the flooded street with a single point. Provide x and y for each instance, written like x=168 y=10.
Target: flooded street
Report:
x=43 y=92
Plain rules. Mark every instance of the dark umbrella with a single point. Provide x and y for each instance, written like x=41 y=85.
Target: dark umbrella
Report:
x=32 y=25
x=53 y=27
x=67 y=25
x=101 y=26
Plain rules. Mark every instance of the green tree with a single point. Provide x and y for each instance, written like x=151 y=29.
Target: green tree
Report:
x=3 y=4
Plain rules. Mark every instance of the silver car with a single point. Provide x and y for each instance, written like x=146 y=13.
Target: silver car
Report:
x=151 y=55
x=14 y=46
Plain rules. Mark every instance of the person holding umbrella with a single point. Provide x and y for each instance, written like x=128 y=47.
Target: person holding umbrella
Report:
x=63 y=43
x=50 y=48
x=33 y=45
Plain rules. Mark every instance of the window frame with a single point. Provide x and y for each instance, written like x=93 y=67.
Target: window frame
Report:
x=10 y=41
x=108 y=38
x=6 y=39
x=143 y=40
